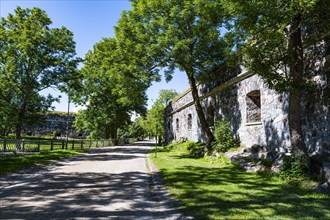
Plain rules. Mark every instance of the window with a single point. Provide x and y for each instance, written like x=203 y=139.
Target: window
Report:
x=189 y=121
x=177 y=124
x=253 y=107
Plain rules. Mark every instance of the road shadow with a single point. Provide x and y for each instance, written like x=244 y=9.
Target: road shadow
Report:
x=50 y=193
x=82 y=195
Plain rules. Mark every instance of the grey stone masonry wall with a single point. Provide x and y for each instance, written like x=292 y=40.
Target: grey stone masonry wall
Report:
x=51 y=122
x=257 y=114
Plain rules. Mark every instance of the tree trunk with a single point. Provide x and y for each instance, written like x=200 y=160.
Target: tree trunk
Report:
x=21 y=116
x=107 y=131
x=18 y=130
x=296 y=73
x=205 y=127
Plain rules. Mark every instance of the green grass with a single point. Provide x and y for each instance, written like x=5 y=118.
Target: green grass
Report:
x=16 y=163
x=212 y=188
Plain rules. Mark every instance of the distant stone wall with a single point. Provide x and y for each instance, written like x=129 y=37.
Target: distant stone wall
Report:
x=257 y=114
x=51 y=122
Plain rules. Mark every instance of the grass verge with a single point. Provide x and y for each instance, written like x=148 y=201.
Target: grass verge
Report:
x=212 y=188
x=17 y=163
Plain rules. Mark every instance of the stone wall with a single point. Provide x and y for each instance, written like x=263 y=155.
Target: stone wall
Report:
x=51 y=122
x=237 y=100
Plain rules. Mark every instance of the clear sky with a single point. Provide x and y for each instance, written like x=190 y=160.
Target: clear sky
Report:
x=90 y=21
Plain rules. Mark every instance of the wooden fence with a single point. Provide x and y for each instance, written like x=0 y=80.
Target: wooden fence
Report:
x=17 y=146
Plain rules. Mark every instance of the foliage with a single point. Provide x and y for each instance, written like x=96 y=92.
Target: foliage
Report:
x=155 y=116
x=195 y=149
x=109 y=93
x=137 y=129
x=273 y=38
x=33 y=57
x=176 y=34
x=224 y=137
x=263 y=36
x=293 y=168
x=17 y=163
x=210 y=188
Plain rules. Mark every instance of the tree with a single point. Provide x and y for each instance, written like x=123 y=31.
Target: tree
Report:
x=137 y=129
x=174 y=34
x=33 y=57
x=276 y=36
x=155 y=116
x=109 y=94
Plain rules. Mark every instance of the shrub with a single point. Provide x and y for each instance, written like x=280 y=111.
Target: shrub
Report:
x=194 y=149
x=224 y=137
x=293 y=168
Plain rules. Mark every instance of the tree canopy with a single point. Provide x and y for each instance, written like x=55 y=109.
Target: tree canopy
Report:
x=109 y=94
x=277 y=40
x=165 y=35
x=155 y=116
x=33 y=57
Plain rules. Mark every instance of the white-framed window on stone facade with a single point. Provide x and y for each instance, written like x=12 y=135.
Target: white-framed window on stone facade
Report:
x=177 y=124
x=253 y=107
x=189 y=121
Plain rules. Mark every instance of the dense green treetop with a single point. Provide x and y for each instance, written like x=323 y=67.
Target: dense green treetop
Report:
x=184 y=34
x=263 y=30
x=109 y=93
x=33 y=57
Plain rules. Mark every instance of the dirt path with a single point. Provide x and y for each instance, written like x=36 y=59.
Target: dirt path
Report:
x=108 y=183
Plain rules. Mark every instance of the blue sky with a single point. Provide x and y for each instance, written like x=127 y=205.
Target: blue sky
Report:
x=90 y=21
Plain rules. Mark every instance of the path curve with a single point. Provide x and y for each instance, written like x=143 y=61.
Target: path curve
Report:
x=106 y=183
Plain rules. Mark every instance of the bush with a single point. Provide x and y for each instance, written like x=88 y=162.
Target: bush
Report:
x=224 y=137
x=293 y=168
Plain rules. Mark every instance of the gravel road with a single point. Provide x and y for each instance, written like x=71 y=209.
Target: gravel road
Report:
x=106 y=183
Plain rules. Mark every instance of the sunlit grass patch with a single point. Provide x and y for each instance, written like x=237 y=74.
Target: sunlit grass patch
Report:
x=212 y=188
x=15 y=163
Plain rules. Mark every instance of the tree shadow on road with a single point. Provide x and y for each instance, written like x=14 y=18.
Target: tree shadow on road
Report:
x=82 y=195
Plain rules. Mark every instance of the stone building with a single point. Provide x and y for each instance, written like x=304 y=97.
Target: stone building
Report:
x=53 y=122
x=257 y=114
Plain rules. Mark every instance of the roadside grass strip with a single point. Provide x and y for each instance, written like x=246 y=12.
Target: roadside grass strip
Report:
x=13 y=164
x=213 y=188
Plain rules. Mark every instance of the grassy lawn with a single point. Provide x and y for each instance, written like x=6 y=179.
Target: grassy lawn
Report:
x=16 y=163
x=210 y=188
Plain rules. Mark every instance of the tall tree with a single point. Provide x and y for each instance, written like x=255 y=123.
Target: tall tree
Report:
x=155 y=116
x=184 y=34
x=33 y=57
x=109 y=94
x=275 y=36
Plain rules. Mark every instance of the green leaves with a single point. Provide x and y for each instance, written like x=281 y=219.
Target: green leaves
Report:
x=110 y=90
x=33 y=57
x=263 y=30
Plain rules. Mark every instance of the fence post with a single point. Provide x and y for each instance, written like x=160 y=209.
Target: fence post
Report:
x=51 y=145
x=4 y=145
x=23 y=145
x=38 y=145
x=62 y=144
x=73 y=144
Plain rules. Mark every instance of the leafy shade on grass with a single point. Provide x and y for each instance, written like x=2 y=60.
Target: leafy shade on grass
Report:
x=210 y=188
x=16 y=163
